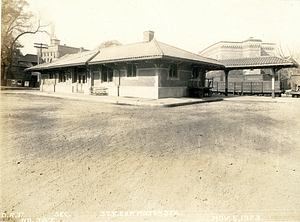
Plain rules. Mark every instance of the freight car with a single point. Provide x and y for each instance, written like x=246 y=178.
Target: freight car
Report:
x=295 y=88
x=245 y=87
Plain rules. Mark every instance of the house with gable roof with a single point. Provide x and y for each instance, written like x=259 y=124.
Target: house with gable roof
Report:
x=149 y=69
x=19 y=77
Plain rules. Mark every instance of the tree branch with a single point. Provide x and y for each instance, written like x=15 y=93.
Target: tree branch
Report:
x=29 y=32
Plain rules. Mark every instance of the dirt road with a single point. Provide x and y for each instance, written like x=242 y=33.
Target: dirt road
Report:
x=86 y=161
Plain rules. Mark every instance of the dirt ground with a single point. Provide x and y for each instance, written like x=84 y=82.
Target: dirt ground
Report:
x=70 y=160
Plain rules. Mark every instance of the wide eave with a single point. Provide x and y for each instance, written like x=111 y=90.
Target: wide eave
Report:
x=263 y=62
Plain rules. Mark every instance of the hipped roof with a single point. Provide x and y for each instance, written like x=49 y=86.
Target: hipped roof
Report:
x=149 y=50
x=78 y=59
x=159 y=50
x=131 y=52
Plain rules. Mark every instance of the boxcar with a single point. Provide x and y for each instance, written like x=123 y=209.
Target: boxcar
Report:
x=252 y=88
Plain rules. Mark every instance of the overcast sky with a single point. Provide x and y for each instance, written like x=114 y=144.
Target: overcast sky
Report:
x=188 y=24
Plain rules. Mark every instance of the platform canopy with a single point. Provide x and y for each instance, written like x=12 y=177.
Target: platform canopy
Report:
x=263 y=62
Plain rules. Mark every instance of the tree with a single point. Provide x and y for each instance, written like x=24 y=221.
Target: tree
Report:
x=286 y=73
x=109 y=43
x=15 y=22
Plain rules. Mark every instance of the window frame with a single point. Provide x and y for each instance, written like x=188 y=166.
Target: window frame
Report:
x=131 y=71
x=173 y=72
x=196 y=72
x=109 y=74
x=62 y=77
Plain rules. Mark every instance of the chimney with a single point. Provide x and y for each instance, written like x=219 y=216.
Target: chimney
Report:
x=54 y=41
x=148 y=36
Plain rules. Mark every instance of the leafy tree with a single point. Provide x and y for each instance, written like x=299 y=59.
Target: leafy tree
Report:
x=15 y=22
x=109 y=43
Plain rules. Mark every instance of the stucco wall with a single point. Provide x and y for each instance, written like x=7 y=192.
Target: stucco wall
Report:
x=62 y=87
x=174 y=92
x=139 y=91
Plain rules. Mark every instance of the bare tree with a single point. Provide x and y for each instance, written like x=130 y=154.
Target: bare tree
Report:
x=285 y=74
x=288 y=53
x=15 y=22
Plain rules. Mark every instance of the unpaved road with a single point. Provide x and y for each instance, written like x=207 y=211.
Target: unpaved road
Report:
x=85 y=161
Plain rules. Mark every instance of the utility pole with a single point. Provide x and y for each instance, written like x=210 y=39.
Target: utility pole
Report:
x=40 y=46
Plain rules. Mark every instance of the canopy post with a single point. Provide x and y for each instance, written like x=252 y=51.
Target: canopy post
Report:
x=273 y=82
x=226 y=81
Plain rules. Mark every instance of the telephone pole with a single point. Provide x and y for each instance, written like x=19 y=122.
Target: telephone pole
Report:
x=40 y=46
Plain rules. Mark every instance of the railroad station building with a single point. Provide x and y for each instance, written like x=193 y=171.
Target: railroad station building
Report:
x=149 y=69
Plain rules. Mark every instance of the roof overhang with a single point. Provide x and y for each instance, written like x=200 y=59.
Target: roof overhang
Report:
x=125 y=59
x=269 y=66
x=258 y=63
x=212 y=66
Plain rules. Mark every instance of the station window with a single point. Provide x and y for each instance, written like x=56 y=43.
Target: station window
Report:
x=107 y=74
x=131 y=70
x=62 y=77
x=173 y=71
x=195 y=73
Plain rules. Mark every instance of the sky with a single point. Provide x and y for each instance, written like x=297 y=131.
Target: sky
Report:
x=191 y=25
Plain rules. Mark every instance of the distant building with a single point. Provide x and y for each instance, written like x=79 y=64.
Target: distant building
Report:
x=249 y=48
x=19 y=76
x=56 y=50
x=235 y=50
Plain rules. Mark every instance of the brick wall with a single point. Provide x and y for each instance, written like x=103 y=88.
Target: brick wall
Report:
x=145 y=77
x=182 y=80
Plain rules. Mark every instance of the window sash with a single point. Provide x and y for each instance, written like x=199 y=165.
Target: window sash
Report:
x=173 y=71
x=131 y=70
x=107 y=74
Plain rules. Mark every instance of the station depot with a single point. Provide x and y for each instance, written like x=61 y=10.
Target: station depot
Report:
x=149 y=69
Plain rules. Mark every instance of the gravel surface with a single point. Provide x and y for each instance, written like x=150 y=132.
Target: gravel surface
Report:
x=73 y=160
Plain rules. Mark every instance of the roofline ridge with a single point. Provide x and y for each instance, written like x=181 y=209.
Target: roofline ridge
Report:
x=158 y=47
x=208 y=60
x=70 y=57
x=185 y=50
x=93 y=56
